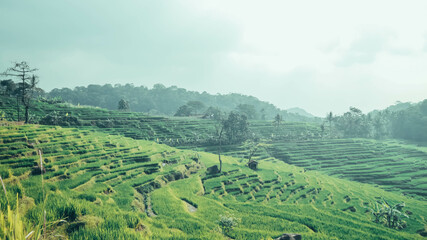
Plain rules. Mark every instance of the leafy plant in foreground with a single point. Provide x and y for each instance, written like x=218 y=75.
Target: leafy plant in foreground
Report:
x=389 y=214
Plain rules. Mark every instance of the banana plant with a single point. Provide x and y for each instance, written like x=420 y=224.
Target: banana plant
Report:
x=389 y=214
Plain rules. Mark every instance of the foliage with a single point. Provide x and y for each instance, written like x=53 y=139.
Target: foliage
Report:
x=183 y=111
x=228 y=222
x=236 y=127
x=403 y=120
x=410 y=123
x=254 y=145
x=123 y=105
x=2 y=115
x=11 y=224
x=163 y=100
x=7 y=87
x=353 y=123
x=26 y=88
x=389 y=214
x=278 y=120
x=248 y=110
x=196 y=106
x=213 y=113
x=55 y=118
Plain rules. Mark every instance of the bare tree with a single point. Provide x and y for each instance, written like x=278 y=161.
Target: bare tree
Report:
x=28 y=83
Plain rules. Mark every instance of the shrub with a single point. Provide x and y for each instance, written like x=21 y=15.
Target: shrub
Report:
x=389 y=214
x=54 y=118
x=4 y=172
x=227 y=223
x=87 y=197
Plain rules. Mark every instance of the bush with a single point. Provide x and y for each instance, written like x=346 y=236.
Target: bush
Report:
x=132 y=220
x=227 y=223
x=87 y=197
x=54 y=118
x=4 y=172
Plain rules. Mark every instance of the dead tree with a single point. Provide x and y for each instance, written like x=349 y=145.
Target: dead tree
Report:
x=27 y=85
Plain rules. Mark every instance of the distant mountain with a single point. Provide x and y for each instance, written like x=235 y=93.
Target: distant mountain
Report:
x=300 y=111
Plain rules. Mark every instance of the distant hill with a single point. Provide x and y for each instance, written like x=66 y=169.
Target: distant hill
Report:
x=398 y=106
x=300 y=111
x=161 y=100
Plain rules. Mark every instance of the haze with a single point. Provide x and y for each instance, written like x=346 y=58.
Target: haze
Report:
x=317 y=55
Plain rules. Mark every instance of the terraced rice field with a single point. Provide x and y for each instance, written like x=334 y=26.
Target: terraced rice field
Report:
x=132 y=189
x=174 y=131
x=389 y=164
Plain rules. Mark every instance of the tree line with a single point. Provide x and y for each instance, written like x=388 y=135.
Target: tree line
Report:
x=403 y=120
x=170 y=101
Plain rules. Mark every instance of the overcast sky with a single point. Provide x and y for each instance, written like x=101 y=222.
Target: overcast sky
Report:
x=318 y=55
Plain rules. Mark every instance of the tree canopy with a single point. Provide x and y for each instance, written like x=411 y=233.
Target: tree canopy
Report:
x=162 y=100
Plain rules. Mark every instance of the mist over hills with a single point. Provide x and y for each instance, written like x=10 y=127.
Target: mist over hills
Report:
x=300 y=111
x=162 y=100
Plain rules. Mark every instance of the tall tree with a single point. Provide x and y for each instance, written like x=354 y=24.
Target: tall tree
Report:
x=248 y=110
x=196 y=106
x=8 y=87
x=213 y=113
x=278 y=120
x=330 y=118
x=219 y=131
x=123 y=105
x=27 y=84
x=236 y=127
x=183 y=111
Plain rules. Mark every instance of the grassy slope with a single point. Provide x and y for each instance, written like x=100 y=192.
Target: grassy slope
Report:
x=391 y=165
x=115 y=186
x=172 y=131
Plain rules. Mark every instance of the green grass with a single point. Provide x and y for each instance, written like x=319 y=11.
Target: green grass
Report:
x=107 y=185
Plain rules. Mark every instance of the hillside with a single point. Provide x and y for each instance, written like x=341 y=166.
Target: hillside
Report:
x=171 y=130
x=161 y=100
x=392 y=165
x=300 y=111
x=108 y=185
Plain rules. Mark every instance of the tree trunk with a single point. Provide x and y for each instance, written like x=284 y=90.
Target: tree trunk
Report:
x=219 y=150
x=26 y=113
x=220 y=161
x=17 y=105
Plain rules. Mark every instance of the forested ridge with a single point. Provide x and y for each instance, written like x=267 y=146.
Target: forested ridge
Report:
x=161 y=100
x=402 y=121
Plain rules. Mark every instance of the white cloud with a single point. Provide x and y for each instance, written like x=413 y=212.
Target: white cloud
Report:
x=365 y=48
x=319 y=55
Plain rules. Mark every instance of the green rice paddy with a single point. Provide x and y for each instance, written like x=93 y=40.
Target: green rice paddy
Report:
x=114 y=186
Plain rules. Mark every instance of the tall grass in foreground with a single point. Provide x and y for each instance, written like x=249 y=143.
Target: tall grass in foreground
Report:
x=12 y=226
